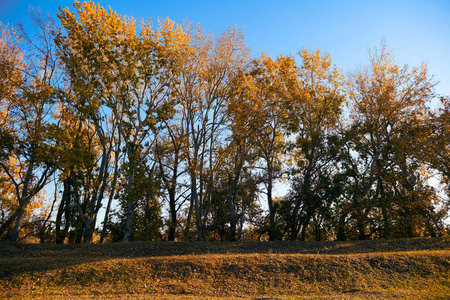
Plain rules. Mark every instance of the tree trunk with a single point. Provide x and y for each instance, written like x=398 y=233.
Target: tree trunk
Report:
x=44 y=226
x=24 y=198
x=272 y=227
x=386 y=226
x=361 y=229
x=233 y=225
x=240 y=229
x=304 y=227
x=232 y=195
x=232 y=218
x=88 y=232
x=193 y=203
x=341 y=234
x=129 y=221
x=112 y=190
x=188 y=221
x=80 y=231
x=201 y=233
x=61 y=235
x=293 y=221
x=16 y=230
x=58 y=233
x=173 y=214
x=9 y=221
x=108 y=208
x=131 y=201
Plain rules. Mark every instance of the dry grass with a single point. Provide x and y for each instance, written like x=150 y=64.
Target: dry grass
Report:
x=397 y=269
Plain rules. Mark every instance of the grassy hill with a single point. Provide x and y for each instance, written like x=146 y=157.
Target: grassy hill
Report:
x=381 y=269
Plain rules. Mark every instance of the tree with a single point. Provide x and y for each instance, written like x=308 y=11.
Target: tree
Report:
x=315 y=108
x=28 y=128
x=437 y=149
x=170 y=158
x=80 y=151
x=265 y=92
x=101 y=46
x=11 y=67
x=85 y=49
x=438 y=146
x=386 y=103
x=205 y=86
x=235 y=191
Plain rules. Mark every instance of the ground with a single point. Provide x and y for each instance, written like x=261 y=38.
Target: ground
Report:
x=381 y=269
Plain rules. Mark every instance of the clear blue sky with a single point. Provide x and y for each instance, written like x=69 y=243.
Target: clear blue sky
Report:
x=416 y=31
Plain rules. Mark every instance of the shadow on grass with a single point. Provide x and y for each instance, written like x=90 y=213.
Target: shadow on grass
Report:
x=22 y=258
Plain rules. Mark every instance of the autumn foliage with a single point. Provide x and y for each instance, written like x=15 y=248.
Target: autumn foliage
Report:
x=118 y=129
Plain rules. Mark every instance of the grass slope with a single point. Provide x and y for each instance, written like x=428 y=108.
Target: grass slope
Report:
x=382 y=269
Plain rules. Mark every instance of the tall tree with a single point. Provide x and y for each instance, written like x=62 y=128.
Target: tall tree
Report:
x=438 y=146
x=79 y=150
x=171 y=159
x=86 y=48
x=386 y=101
x=205 y=86
x=315 y=107
x=265 y=88
x=27 y=126
x=437 y=149
x=101 y=46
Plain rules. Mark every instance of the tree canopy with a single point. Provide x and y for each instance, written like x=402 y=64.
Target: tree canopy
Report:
x=118 y=129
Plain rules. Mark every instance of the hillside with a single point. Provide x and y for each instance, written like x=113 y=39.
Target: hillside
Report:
x=381 y=269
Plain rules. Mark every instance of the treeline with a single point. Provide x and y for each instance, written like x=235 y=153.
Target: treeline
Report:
x=180 y=135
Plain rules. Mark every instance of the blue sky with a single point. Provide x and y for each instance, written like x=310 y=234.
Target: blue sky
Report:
x=415 y=31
